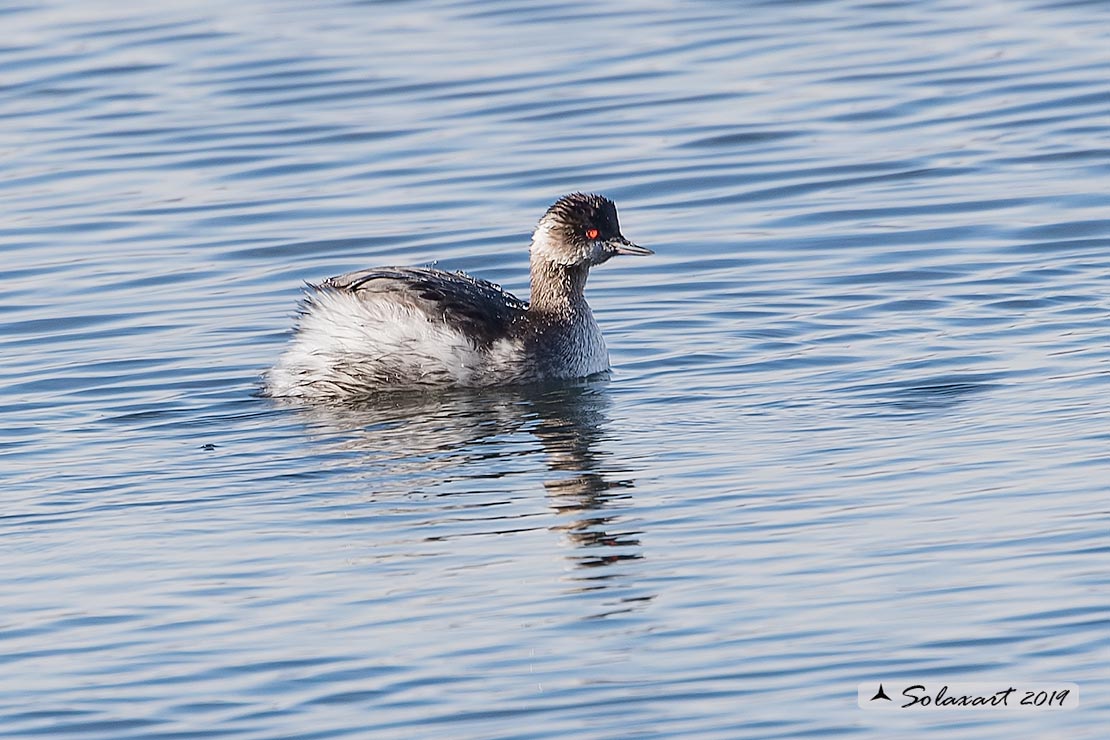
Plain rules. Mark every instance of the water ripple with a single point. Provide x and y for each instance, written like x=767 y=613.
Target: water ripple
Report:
x=854 y=426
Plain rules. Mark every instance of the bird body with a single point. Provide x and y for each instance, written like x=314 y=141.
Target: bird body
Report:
x=416 y=327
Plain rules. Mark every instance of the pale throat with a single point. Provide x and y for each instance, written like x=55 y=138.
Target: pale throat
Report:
x=556 y=285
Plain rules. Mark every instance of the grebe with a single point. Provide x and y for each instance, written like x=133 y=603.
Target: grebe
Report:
x=417 y=327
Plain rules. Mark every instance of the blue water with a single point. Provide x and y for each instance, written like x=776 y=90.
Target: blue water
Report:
x=857 y=425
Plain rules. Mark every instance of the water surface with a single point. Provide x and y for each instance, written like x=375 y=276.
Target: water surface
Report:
x=856 y=426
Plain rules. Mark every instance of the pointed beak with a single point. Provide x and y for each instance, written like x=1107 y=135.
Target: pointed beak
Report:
x=620 y=245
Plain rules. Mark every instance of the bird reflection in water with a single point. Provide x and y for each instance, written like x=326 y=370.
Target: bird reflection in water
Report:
x=571 y=425
x=467 y=442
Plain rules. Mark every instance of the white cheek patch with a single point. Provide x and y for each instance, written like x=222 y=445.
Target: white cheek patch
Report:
x=547 y=243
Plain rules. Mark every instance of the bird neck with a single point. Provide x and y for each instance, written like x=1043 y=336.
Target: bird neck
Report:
x=556 y=288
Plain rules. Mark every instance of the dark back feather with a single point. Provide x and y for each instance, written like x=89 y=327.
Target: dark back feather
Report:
x=477 y=308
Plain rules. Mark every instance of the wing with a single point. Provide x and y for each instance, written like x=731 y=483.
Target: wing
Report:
x=477 y=308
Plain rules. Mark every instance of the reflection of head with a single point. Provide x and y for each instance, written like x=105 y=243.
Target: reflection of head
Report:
x=572 y=426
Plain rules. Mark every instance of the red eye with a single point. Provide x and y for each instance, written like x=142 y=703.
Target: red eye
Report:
x=591 y=233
